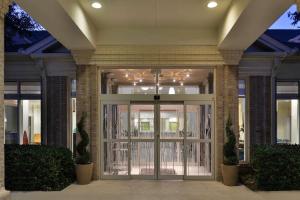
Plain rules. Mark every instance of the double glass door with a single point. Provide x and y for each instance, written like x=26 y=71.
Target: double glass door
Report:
x=157 y=140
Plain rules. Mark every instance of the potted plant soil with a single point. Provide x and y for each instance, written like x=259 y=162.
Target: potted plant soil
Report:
x=84 y=166
x=230 y=164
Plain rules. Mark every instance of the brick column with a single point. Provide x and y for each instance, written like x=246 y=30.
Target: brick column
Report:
x=260 y=110
x=226 y=104
x=58 y=107
x=88 y=88
x=3 y=9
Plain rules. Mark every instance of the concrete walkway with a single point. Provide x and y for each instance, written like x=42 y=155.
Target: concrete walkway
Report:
x=155 y=190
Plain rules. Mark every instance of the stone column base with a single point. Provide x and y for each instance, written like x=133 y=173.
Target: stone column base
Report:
x=4 y=194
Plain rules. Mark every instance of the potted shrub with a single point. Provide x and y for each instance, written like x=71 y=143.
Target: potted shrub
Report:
x=230 y=164
x=84 y=166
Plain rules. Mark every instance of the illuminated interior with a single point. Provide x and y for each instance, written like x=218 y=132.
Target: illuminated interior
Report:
x=157 y=81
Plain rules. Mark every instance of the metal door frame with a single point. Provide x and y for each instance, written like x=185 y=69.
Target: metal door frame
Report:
x=148 y=100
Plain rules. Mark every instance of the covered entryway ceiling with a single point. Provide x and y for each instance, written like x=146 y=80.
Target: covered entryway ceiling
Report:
x=233 y=25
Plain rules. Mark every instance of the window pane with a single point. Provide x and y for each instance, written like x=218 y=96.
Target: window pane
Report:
x=198 y=121
x=171 y=158
x=142 y=158
x=31 y=88
x=287 y=88
x=288 y=121
x=142 y=121
x=128 y=81
x=242 y=88
x=171 y=121
x=242 y=115
x=30 y=121
x=115 y=158
x=11 y=88
x=11 y=122
x=199 y=159
x=151 y=81
x=115 y=121
x=186 y=81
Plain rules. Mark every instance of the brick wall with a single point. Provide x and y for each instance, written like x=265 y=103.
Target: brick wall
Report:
x=88 y=88
x=58 y=111
x=1 y=102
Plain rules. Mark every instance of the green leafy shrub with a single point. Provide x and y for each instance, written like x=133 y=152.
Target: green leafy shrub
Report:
x=277 y=167
x=83 y=156
x=38 y=168
x=230 y=149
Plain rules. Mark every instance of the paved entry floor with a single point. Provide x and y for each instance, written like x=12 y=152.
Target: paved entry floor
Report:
x=155 y=190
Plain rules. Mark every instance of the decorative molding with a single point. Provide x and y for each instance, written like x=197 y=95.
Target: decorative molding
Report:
x=156 y=55
x=4 y=6
x=232 y=57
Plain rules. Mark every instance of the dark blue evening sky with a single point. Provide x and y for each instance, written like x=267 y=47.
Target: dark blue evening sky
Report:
x=284 y=22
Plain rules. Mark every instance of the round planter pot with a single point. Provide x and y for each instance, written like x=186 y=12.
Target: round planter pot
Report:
x=230 y=174
x=84 y=173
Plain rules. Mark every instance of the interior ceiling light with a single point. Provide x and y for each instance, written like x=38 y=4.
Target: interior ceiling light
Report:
x=181 y=83
x=145 y=88
x=172 y=90
x=174 y=80
x=188 y=75
x=134 y=83
x=141 y=80
x=212 y=4
x=96 y=4
x=126 y=75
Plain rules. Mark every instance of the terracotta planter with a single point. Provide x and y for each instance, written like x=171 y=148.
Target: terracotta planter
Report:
x=84 y=173
x=230 y=174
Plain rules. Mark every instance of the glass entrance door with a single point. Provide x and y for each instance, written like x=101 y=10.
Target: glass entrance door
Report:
x=157 y=140
x=171 y=140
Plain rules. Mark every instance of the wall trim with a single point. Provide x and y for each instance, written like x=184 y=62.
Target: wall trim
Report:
x=157 y=55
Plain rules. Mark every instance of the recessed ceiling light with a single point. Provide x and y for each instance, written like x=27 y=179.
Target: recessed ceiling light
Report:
x=141 y=80
x=181 y=83
x=96 y=4
x=212 y=4
x=174 y=80
x=187 y=75
x=126 y=75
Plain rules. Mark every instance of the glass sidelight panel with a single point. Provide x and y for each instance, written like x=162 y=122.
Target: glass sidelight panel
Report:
x=198 y=121
x=199 y=139
x=171 y=158
x=199 y=159
x=142 y=158
x=115 y=158
x=115 y=139
x=115 y=121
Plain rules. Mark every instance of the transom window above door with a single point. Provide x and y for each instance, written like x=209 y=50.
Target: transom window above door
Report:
x=157 y=81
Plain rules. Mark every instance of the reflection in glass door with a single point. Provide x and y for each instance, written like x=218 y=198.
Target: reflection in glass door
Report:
x=142 y=128
x=157 y=140
x=198 y=139
x=171 y=137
